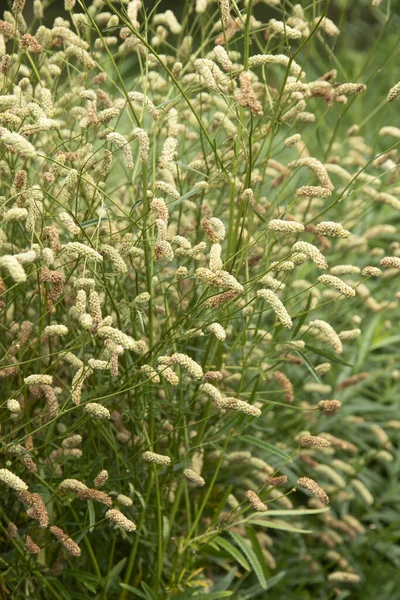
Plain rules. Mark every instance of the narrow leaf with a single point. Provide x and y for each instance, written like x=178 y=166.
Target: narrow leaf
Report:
x=265 y=446
x=252 y=558
x=233 y=551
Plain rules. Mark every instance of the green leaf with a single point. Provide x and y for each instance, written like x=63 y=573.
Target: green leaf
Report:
x=309 y=366
x=114 y=572
x=92 y=516
x=136 y=591
x=257 y=520
x=149 y=592
x=329 y=355
x=233 y=551
x=196 y=596
x=252 y=558
x=266 y=446
x=296 y=511
x=302 y=318
x=255 y=544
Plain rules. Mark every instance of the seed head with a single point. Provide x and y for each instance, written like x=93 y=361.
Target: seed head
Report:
x=194 y=477
x=313 y=487
x=255 y=501
x=158 y=459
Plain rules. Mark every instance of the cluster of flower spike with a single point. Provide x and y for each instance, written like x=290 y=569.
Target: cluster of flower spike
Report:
x=136 y=228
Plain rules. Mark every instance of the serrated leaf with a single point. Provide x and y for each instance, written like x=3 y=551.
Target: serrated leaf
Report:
x=255 y=544
x=251 y=557
x=233 y=551
x=329 y=355
x=266 y=446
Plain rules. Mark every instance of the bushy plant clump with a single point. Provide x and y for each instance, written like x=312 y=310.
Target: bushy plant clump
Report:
x=199 y=278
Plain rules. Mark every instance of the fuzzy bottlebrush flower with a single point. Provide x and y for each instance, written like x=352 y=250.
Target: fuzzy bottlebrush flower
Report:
x=124 y=500
x=313 y=191
x=69 y=545
x=217 y=330
x=13 y=481
x=312 y=252
x=115 y=516
x=370 y=271
x=16 y=271
x=271 y=282
x=279 y=480
x=255 y=501
x=122 y=144
x=150 y=373
x=314 y=441
x=285 y=226
x=36 y=507
x=219 y=278
x=343 y=577
x=392 y=262
x=158 y=459
x=13 y=405
x=278 y=27
x=345 y=270
x=318 y=169
x=144 y=144
x=309 y=484
x=97 y=411
x=72 y=485
x=38 y=380
x=335 y=282
x=247 y=96
x=215 y=257
x=122 y=339
x=231 y=403
x=281 y=312
x=114 y=257
x=193 y=477
x=68 y=221
x=72 y=441
x=168 y=153
x=326 y=25
x=168 y=374
x=332 y=229
x=284 y=382
x=18 y=142
x=329 y=407
x=31 y=546
x=349 y=334
x=349 y=89
x=259 y=60
x=212 y=391
x=84 y=251
x=51 y=330
x=363 y=491
x=187 y=363
x=292 y=140
x=394 y=93
x=340 y=444
x=101 y=478
x=140 y=98
x=330 y=334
